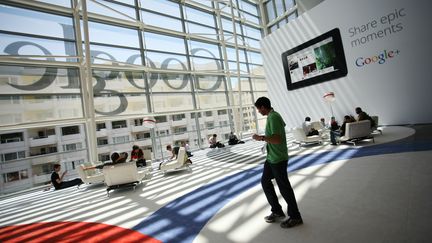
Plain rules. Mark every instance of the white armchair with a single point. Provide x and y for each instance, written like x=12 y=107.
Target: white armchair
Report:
x=317 y=125
x=301 y=138
x=357 y=131
x=90 y=177
x=148 y=158
x=123 y=175
x=178 y=164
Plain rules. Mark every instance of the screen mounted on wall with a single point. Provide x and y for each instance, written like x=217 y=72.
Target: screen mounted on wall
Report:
x=315 y=61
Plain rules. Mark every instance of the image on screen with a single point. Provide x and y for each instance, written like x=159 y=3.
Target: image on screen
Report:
x=315 y=61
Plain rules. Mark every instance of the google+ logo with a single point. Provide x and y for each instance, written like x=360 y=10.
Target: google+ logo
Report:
x=380 y=58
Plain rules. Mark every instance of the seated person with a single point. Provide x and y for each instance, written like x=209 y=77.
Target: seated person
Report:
x=137 y=155
x=186 y=146
x=232 y=140
x=58 y=182
x=334 y=124
x=308 y=129
x=361 y=115
x=214 y=143
x=323 y=123
x=339 y=131
x=174 y=152
x=116 y=158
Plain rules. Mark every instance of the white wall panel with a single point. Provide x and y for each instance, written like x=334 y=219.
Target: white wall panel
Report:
x=398 y=91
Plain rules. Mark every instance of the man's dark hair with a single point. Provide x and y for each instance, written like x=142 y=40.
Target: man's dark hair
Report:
x=307 y=118
x=214 y=135
x=135 y=147
x=358 y=110
x=56 y=166
x=115 y=156
x=168 y=147
x=263 y=102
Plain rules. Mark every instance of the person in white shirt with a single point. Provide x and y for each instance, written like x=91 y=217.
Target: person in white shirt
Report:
x=214 y=143
x=308 y=129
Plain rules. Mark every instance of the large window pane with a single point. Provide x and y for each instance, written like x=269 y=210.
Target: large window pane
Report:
x=259 y=84
x=107 y=11
x=204 y=49
x=206 y=64
x=256 y=69
x=164 y=43
x=270 y=11
x=255 y=57
x=113 y=55
x=249 y=7
x=19 y=80
x=252 y=32
x=164 y=82
x=64 y=3
x=109 y=103
x=251 y=18
x=289 y=4
x=232 y=54
x=169 y=8
x=280 y=7
x=170 y=102
x=232 y=66
x=109 y=34
x=41 y=23
x=36 y=108
x=209 y=83
x=122 y=82
x=211 y=100
x=227 y=25
x=166 y=61
x=22 y=45
x=198 y=16
x=201 y=30
x=162 y=21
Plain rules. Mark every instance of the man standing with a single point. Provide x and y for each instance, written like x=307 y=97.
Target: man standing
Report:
x=275 y=166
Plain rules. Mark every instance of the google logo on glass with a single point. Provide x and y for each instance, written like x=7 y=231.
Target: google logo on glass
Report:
x=380 y=58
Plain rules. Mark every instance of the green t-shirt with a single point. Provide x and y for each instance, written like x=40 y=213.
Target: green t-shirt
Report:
x=275 y=125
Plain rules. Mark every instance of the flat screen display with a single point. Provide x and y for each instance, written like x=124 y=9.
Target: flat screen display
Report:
x=315 y=61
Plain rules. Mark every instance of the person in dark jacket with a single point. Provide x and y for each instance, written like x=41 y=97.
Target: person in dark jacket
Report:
x=138 y=155
x=57 y=179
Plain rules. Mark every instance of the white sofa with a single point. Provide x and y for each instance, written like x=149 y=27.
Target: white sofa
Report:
x=357 y=131
x=148 y=158
x=123 y=175
x=178 y=164
x=301 y=138
x=90 y=176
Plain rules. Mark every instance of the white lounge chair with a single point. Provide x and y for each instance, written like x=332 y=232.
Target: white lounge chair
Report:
x=178 y=164
x=123 y=175
x=357 y=131
x=148 y=158
x=301 y=138
x=89 y=176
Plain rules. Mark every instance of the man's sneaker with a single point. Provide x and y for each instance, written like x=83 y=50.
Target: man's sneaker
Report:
x=289 y=223
x=273 y=217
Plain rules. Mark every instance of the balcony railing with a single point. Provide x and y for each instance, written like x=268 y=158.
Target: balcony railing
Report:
x=43 y=141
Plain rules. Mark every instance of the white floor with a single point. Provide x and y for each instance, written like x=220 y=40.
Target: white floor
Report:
x=378 y=198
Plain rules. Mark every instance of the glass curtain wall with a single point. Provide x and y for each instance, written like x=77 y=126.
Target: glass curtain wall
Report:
x=278 y=13
x=78 y=77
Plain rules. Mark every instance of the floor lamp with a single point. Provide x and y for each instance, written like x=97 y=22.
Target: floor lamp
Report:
x=150 y=122
x=329 y=97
